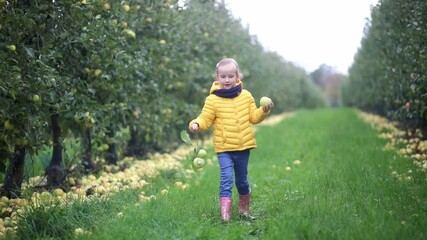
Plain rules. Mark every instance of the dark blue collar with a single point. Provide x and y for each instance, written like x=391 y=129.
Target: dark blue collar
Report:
x=229 y=93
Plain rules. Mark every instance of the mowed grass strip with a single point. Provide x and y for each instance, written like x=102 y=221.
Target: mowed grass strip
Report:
x=341 y=187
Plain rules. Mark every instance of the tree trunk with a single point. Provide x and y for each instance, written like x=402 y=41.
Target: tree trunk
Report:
x=14 y=174
x=54 y=170
x=87 y=151
x=111 y=156
x=133 y=146
x=423 y=127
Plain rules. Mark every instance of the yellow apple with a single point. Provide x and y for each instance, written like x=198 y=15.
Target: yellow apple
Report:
x=126 y=7
x=71 y=181
x=89 y=122
x=86 y=70
x=5 y=200
x=12 y=47
x=8 y=125
x=52 y=82
x=97 y=72
x=21 y=202
x=264 y=101
x=129 y=33
x=106 y=6
x=36 y=98
x=45 y=195
x=198 y=163
x=58 y=192
x=105 y=147
x=201 y=153
x=22 y=141
x=78 y=118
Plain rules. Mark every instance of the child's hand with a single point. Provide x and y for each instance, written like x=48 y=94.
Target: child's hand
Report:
x=268 y=107
x=194 y=127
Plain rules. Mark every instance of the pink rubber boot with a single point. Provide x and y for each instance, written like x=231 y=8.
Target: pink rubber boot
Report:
x=244 y=203
x=225 y=203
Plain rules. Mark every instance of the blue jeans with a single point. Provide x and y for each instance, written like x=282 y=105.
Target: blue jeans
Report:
x=236 y=161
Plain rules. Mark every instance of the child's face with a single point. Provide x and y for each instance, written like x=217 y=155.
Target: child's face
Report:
x=227 y=75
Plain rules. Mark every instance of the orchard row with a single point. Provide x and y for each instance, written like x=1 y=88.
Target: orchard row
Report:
x=108 y=79
x=388 y=76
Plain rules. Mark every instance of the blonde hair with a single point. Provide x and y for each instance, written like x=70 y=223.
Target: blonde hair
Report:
x=226 y=61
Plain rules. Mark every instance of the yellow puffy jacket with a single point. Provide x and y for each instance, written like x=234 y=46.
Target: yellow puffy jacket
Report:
x=232 y=119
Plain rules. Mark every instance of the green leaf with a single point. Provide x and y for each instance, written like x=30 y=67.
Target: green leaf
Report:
x=186 y=138
x=29 y=51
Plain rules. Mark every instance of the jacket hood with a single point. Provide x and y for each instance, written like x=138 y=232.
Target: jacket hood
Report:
x=216 y=86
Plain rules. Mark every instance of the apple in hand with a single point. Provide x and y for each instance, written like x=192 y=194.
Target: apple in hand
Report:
x=264 y=101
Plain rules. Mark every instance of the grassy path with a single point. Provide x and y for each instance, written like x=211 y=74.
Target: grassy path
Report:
x=342 y=189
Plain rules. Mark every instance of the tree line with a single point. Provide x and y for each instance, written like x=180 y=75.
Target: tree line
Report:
x=388 y=76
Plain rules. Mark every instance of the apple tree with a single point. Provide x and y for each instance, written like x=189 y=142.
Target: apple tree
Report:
x=26 y=79
x=389 y=72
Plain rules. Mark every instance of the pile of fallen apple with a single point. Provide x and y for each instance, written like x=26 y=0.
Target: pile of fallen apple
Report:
x=112 y=179
x=410 y=143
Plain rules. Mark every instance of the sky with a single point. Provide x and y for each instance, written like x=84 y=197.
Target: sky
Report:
x=307 y=32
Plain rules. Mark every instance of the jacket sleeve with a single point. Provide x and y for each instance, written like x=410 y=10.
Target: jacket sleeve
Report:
x=257 y=115
x=207 y=116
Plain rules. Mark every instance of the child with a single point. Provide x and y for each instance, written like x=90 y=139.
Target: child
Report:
x=232 y=111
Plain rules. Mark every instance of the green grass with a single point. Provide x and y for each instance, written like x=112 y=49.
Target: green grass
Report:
x=56 y=222
x=343 y=189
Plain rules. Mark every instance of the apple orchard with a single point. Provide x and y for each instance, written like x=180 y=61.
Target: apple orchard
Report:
x=96 y=79
x=91 y=80
x=88 y=86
